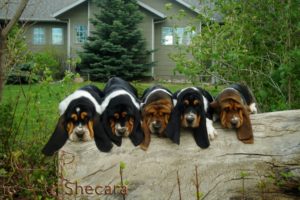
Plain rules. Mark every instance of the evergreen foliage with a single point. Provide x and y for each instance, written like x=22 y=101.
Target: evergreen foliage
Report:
x=256 y=43
x=116 y=46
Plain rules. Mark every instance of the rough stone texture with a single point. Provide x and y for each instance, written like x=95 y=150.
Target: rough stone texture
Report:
x=153 y=174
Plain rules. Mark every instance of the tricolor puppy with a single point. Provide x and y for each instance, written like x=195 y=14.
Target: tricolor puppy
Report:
x=79 y=121
x=192 y=110
x=156 y=108
x=121 y=112
x=233 y=106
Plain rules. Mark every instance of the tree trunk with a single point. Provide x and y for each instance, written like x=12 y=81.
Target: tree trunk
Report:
x=2 y=64
x=3 y=37
x=229 y=169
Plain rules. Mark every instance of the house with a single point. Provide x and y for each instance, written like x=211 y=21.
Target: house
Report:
x=63 y=26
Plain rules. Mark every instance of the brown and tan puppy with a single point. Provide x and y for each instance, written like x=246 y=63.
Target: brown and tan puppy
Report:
x=233 y=106
x=156 y=108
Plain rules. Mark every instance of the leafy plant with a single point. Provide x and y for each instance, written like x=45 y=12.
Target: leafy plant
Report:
x=45 y=65
x=246 y=45
x=23 y=169
x=122 y=167
x=243 y=175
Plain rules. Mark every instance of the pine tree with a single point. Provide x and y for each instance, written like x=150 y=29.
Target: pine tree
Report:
x=116 y=46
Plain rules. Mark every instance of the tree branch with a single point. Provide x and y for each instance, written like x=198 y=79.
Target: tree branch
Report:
x=15 y=18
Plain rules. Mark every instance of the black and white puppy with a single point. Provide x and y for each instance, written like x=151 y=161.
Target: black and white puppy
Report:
x=79 y=121
x=121 y=112
x=192 y=110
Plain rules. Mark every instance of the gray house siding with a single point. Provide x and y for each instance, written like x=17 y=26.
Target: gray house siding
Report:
x=164 y=68
x=72 y=13
x=80 y=14
x=48 y=45
x=75 y=17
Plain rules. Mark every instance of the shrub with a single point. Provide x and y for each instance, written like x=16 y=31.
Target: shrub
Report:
x=256 y=43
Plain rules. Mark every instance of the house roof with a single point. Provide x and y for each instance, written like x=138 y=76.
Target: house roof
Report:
x=36 y=10
x=47 y=10
x=76 y=3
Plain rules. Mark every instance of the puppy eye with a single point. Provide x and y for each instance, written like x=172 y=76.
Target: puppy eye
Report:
x=226 y=109
x=186 y=102
x=196 y=102
x=166 y=114
x=116 y=116
x=74 y=118
x=150 y=114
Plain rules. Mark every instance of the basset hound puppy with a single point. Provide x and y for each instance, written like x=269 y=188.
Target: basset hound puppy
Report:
x=192 y=110
x=156 y=108
x=79 y=121
x=121 y=112
x=233 y=106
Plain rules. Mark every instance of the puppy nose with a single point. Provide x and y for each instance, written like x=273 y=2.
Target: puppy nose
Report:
x=79 y=133
x=190 y=119
x=234 y=121
x=121 y=130
x=157 y=125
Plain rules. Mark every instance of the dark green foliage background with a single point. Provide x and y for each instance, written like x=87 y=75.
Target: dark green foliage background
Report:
x=256 y=43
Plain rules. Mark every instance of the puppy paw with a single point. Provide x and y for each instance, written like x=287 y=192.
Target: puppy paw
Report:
x=253 y=108
x=211 y=131
x=144 y=146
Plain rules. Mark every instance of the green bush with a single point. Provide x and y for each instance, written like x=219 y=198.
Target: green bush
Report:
x=256 y=43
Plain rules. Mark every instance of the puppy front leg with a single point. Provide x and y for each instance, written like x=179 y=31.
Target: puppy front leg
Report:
x=211 y=131
x=145 y=144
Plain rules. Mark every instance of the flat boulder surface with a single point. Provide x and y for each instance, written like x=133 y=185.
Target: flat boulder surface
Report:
x=228 y=169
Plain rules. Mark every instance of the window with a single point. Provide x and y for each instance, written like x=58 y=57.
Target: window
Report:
x=167 y=36
x=39 y=36
x=180 y=35
x=81 y=33
x=57 y=36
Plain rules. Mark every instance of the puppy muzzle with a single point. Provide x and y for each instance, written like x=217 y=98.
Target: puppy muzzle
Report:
x=80 y=133
x=155 y=127
x=190 y=119
x=121 y=130
x=234 y=122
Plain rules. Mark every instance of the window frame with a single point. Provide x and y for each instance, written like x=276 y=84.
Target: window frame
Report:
x=178 y=35
x=39 y=36
x=80 y=33
x=61 y=41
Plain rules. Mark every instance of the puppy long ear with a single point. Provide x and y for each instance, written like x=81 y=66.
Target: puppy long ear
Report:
x=215 y=106
x=147 y=135
x=102 y=140
x=200 y=133
x=58 y=138
x=245 y=132
x=137 y=135
x=117 y=140
x=173 y=127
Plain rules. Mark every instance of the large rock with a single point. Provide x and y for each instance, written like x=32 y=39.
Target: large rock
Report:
x=228 y=169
